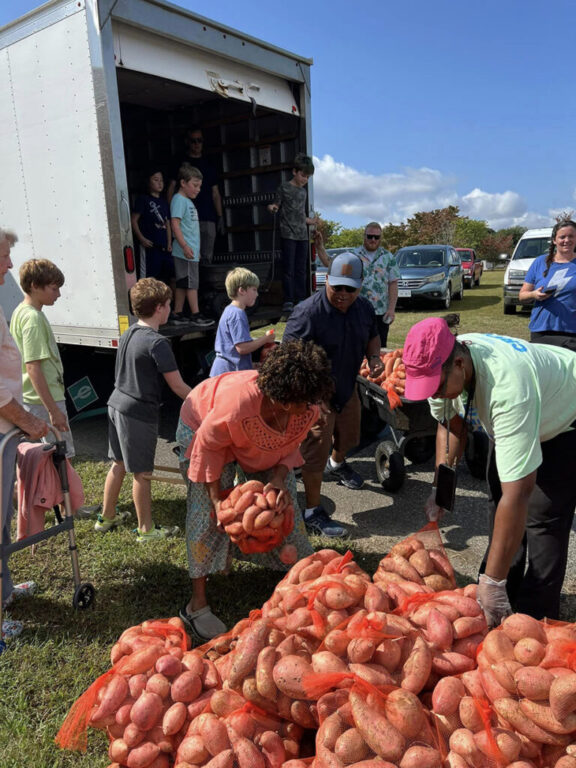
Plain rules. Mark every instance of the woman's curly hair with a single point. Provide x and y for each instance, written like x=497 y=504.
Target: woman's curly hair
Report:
x=297 y=372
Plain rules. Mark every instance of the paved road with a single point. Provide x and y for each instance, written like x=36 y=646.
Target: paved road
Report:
x=375 y=518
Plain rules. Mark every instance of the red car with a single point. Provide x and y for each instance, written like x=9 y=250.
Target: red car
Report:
x=471 y=265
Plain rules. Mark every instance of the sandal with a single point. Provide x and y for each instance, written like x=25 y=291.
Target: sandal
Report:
x=202 y=623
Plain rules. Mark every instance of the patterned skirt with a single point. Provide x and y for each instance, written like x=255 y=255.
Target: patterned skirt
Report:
x=209 y=549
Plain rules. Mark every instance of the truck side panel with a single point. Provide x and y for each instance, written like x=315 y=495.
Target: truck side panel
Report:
x=49 y=142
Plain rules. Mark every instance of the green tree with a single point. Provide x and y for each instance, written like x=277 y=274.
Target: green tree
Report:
x=469 y=233
x=394 y=236
x=346 y=238
x=429 y=227
x=329 y=229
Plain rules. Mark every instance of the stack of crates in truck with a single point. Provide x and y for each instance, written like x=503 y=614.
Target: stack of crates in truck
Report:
x=96 y=91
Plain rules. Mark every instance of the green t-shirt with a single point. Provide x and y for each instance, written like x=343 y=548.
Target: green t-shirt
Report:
x=32 y=333
x=525 y=394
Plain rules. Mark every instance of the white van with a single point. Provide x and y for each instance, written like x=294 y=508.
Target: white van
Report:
x=533 y=243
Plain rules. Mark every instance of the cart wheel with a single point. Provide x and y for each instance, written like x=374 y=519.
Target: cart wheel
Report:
x=476 y=453
x=419 y=449
x=389 y=466
x=83 y=596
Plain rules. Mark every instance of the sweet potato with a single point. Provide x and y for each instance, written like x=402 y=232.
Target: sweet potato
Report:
x=529 y=651
x=535 y=683
x=147 y=711
x=510 y=710
x=360 y=650
x=541 y=713
x=118 y=750
x=469 y=625
x=508 y=744
x=473 y=683
x=193 y=662
x=158 y=683
x=404 y=711
x=563 y=695
x=498 y=646
x=246 y=652
x=373 y=674
x=451 y=663
x=193 y=750
x=417 y=668
x=446 y=695
x=519 y=625
x=439 y=631
x=143 y=755
x=350 y=747
x=264 y=679
x=504 y=673
x=462 y=742
x=214 y=736
x=421 y=757
x=174 y=718
x=469 y=715
x=380 y=735
x=133 y=735
x=397 y=564
x=112 y=697
x=288 y=674
x=186 y=687
x=168 y=665
x=140 y=661
x=273 y=749
x=422 y=562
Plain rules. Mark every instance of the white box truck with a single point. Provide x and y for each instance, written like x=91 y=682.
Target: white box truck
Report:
x=93 y=92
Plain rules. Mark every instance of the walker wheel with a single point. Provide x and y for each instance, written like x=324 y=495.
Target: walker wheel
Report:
x=83 y=596
x=390 y=468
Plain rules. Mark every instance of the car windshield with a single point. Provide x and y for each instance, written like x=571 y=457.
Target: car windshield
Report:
x=417 y=258
x=465 y=255
x=531 y=248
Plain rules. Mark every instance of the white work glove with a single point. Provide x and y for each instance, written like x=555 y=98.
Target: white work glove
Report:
x=493 y=600
x=434 y=513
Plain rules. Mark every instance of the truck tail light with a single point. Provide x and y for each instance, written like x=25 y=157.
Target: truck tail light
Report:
x=129 y=262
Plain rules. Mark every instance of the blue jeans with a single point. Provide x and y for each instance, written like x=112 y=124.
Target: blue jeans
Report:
x=294 y=269
x=8 y=476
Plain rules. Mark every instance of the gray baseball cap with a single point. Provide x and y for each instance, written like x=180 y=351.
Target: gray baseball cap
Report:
x=346 y=269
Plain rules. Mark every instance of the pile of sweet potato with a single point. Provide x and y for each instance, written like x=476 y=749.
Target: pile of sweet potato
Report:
x=394 y=374
x=253 y=519
x=338 y=670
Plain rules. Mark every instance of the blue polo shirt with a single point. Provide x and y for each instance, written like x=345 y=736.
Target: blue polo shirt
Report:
x=343 y=335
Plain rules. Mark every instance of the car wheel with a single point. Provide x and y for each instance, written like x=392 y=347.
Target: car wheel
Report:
x=478 y=279
x=509 y=309
x=447 y=300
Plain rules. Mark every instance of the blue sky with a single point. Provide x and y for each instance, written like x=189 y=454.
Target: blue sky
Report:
x=419 y=104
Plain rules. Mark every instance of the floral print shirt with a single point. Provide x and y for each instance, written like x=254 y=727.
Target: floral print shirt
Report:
x=380 y=268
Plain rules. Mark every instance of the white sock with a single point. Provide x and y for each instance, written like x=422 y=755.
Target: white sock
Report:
x=309 y=512
x=335 y=464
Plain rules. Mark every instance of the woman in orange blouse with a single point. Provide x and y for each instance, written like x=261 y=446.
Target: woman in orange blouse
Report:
x=250 y=422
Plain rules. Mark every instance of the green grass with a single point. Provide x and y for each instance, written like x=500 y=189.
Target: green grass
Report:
x=62 y=651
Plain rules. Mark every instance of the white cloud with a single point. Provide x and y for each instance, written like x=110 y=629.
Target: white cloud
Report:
x=344 y=194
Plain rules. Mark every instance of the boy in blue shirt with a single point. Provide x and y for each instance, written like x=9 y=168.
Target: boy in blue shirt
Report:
x=234 y=345
x=186 y=244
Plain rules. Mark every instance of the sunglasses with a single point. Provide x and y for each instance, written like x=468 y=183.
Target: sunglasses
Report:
x=195 y=141
x=373 y=237
x=339 y=288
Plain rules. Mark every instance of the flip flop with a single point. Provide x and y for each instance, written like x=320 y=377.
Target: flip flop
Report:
x=202 y=623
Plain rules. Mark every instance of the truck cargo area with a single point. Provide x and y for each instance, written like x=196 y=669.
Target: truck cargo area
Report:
x=249 y=145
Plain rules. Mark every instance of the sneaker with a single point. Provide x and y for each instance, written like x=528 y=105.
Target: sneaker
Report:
x=11 y=629
x=201 y=321
x=157 y=533
x=319 y=522
x=177 y=318
x=346 y=475
x=25 y=589
x=104 y=524
x=88 y=512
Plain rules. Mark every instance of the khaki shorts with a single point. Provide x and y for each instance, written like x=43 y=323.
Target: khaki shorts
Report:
x=186 y=272
x=338 y=431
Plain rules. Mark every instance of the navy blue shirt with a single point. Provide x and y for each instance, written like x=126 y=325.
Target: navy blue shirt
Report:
x=343 y=335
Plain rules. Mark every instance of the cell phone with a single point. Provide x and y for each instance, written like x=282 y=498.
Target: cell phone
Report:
x=549 y=291
x=445 y=486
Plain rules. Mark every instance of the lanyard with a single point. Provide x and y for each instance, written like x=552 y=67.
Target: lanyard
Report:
x=471 y=393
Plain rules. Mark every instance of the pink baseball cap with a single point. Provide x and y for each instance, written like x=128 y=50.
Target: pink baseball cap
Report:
x=427 y=347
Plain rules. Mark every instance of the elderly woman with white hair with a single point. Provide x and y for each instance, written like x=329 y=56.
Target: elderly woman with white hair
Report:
x=12 y=414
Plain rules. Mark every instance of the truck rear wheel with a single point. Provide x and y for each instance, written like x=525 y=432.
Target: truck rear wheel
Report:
x=509 y=309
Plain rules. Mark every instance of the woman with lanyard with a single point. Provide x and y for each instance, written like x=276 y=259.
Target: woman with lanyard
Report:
x=551 y=283
x=249 y=423
x=525 y=398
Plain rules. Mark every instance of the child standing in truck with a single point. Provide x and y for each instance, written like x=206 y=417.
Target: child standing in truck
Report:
x=144 y=361
x=151 y=225
x=234 y=345
x=42 y=371
x=186 y=244
x=290 y=203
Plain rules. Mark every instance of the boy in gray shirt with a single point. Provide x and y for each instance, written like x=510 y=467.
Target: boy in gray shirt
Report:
x=290 y=202
x=145 y=360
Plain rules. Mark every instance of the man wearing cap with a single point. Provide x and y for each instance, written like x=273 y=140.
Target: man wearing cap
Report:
x=525 y=398
x=344 y=324
x=381 y=275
